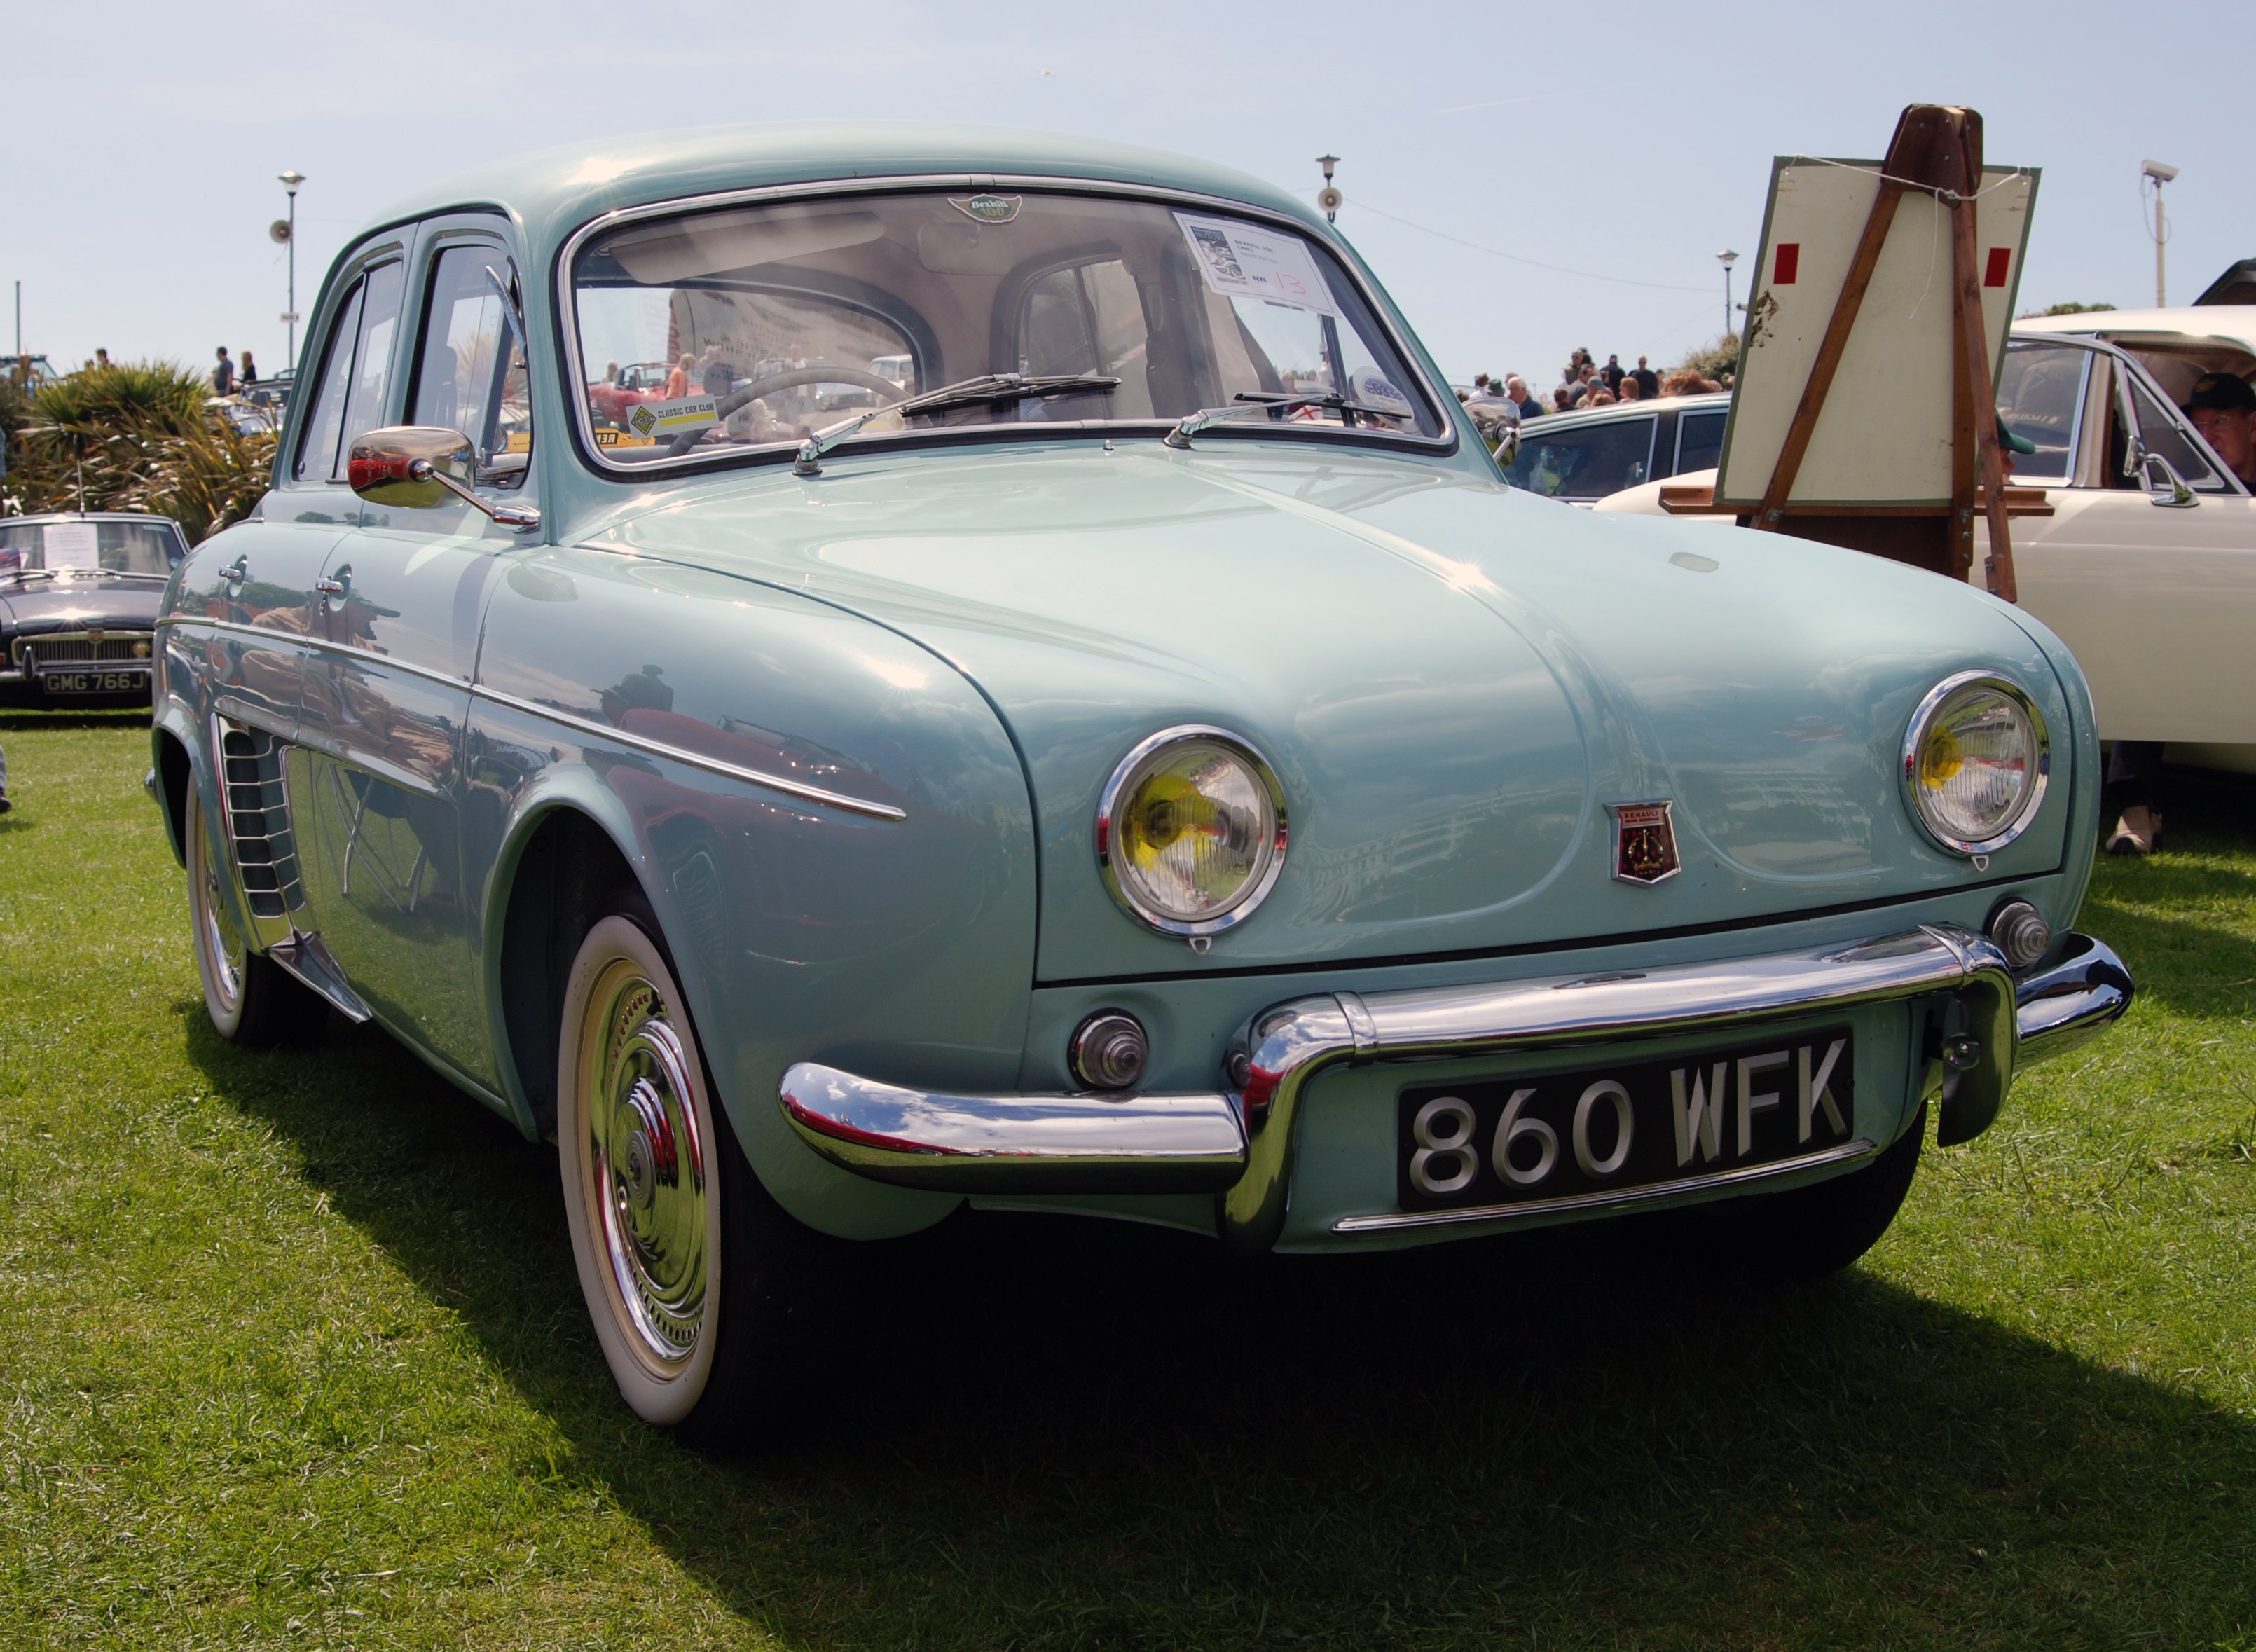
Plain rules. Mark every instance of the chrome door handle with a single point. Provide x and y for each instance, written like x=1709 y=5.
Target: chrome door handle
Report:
x=333 y=587
x=236 y=572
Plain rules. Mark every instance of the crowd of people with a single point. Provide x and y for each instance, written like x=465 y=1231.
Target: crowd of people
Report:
x=1497 y=399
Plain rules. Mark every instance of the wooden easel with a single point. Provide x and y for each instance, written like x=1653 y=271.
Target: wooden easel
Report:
x=1936 y=150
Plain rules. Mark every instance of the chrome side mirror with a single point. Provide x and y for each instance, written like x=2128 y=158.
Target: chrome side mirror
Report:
x=2165 y=486
x=418 y=467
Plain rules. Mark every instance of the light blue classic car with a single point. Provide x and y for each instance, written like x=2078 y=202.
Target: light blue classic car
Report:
x=1049 y=704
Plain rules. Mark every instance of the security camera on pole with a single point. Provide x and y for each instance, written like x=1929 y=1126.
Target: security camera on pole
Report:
x=285 y=231
x=2161 y=174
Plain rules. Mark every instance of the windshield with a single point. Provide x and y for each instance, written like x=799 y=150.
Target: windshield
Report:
x=119 y=548
x=752 y=327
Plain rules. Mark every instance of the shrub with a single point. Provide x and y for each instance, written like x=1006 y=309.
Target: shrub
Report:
x=133 y=437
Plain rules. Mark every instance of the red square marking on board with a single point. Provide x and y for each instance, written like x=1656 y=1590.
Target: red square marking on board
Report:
x=1788 y=264
x=2001 y=259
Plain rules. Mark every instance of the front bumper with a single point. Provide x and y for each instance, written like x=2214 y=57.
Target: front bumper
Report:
x=1237 y=1142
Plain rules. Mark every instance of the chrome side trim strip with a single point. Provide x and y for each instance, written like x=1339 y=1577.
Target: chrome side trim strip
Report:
x=305 y=956
x=1862 y=1147
x=697 y=760
x=1027 y=1143
x=619 y=736
x=2062 y=1006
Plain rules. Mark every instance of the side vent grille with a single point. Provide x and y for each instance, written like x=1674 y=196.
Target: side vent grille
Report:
x=258 y=821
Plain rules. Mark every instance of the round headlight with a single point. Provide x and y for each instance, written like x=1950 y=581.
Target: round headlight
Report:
x=1190 y=830
x=1975 y=762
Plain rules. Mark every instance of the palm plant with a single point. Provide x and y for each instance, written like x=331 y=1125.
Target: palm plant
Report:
x=134 y=437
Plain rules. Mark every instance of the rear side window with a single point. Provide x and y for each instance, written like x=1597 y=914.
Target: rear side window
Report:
x=1588 y=464
x=348 y=396
x=1700 y=441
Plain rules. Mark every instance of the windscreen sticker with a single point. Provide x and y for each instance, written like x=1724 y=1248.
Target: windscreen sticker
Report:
x=655 y=419
x=72 y=545
x=1242 y=260
x=1373 y=389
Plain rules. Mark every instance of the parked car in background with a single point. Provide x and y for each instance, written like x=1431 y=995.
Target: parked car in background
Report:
x=1582 y=457
x=79 y=596
x=611 y=400
x=2146 y=564
x=1139 y=774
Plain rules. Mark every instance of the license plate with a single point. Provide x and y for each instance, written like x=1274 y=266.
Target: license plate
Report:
x=96 y=682
x=1607 y=1126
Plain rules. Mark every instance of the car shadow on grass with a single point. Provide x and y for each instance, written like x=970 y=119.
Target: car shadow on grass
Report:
x=1037 y=1430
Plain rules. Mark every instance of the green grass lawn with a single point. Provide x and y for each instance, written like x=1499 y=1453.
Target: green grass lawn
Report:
x=292 y=1353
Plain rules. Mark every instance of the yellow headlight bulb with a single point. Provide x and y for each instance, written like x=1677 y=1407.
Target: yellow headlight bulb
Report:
x=1940 y=763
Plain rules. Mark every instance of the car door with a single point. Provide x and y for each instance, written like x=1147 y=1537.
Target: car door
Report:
x=2157 y=601
x=247 y=613
x=387 y=690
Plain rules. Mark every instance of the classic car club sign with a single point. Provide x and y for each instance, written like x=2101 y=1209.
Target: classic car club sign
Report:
x=1645 y=843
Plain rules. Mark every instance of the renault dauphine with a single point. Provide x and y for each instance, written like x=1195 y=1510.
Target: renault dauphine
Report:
x=1059 y=711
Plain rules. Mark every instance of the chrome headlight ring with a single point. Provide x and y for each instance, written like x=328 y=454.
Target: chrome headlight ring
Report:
x=1120 y=790
x=2039 y=765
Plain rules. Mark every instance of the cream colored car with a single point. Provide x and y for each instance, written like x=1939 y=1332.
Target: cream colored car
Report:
x=2147 y=567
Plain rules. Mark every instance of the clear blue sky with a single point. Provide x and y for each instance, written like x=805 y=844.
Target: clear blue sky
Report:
x=1627 y=140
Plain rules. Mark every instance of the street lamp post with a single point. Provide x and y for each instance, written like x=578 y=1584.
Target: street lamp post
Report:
x=2161 y=174
x=290 y=182
x=1727 y=259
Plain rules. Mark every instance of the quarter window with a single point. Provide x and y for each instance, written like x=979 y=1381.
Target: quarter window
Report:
x=1588 y=464
x=2162 y=437
x=471 y=375
x=349 y=399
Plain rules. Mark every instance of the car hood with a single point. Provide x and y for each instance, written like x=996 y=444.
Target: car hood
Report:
x=1452 y=680
x=40 y=605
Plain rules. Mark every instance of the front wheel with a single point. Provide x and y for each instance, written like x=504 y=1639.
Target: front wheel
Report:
x=252 y=1000
x=682 y=1255
x=1810 y=1232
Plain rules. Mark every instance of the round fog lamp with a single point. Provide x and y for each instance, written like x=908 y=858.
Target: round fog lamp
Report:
x=2019 y=931
x=1109 y=1050
x=1975 y=762
x=1190 y=830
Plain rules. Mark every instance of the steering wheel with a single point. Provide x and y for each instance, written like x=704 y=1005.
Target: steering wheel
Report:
x=744 y=395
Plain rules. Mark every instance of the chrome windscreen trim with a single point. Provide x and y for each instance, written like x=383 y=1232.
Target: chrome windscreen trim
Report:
x=696 y=759
x=568 y=316
x=1847 y=1152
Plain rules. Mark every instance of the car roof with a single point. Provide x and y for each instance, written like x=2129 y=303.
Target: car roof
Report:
x=1620 y=409
x=553 y=191
x=2233 y=321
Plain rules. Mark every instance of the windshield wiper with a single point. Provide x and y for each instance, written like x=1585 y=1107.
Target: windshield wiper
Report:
x=29 y=573
x=986 y=387
x=1272 y=403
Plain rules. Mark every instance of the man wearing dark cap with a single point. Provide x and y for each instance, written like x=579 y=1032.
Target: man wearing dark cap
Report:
x=2223 y=408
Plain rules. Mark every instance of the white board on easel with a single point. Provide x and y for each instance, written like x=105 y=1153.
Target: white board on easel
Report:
x=1883 y=435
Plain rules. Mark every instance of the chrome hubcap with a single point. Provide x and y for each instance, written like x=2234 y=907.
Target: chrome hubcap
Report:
x=225 y=950
x=647 y=1167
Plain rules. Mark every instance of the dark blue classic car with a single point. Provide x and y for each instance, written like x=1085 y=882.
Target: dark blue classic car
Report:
x=79 y=596
x=1049 y=704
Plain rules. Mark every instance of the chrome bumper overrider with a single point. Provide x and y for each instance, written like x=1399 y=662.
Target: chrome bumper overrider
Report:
x=1239 y=1143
